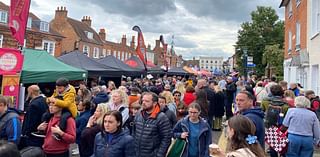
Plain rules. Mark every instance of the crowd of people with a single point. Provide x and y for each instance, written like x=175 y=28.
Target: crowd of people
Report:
x=141 y=117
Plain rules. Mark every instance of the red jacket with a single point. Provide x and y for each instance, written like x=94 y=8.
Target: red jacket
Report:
x=53 y=146
x=188 y=98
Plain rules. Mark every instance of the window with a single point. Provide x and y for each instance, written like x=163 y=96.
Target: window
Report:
x=315 y=17
x=211 y=61
x=108 y=52
x=206 y=61
x=130 y=55
x=48 y=46
x=118 y=55
x=115 y=53
x=122 y=56
x=298 y=2
x=202 y=61
x=297 y=36
x=44 y=26
x=290 y=9
x=29 y=23
x=95 y=52
x=3 y=16
x=216 y=62
x=86 y=50
x=1 y=40
x=104 y=52
x=290 y=42
x=89 y=34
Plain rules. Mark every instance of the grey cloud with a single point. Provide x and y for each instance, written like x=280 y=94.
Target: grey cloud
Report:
x=227 y=10
x=133 y=8
x=184 y=43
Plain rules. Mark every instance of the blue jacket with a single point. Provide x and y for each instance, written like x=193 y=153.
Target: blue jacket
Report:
x=10 y=126
x=121 y=145
x=81 y=123
x=205 y=138
x=256 y=115
x=101 y=97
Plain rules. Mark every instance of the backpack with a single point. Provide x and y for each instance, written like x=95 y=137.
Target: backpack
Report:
x=125 y=124
x=274 y=114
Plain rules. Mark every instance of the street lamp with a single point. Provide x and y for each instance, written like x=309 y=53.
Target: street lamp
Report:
x=245 y=62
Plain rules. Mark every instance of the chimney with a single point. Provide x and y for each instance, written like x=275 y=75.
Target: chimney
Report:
x=124 y=40
x=157 y=43
x=86 y=20
x=102 y=34
x=61 y=13
x=132 y=42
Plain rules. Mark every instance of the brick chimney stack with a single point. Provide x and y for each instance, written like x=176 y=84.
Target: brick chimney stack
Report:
x=61 y=13
x=124 y=40
x=86 y=20
x=132 y=42
x=157 y=43
x=102 y=34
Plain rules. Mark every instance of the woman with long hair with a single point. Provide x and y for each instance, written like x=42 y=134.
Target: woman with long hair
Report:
x=113 y=141
x=91 y=130
x=201 y=99
x=196 y=130
x=119 y=102
x=170 y=101
x=242 y=142
x=218 y=108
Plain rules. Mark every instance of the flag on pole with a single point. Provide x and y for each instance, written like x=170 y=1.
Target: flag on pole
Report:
x=19 y=11
x=141 y=48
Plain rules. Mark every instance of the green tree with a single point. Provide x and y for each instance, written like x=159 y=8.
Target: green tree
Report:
x=264 y=29
x=273 y=58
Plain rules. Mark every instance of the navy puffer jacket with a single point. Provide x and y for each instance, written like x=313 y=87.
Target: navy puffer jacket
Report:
x=121 y=145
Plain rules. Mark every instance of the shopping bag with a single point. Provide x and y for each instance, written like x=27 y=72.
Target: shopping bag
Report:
x=176 y=148
x=276 y=139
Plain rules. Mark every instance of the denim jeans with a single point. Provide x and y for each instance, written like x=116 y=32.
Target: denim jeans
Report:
x=300 y=146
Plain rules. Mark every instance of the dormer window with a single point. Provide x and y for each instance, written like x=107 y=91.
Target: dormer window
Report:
x=89 y=34
x=44 y=26
x=3 y=16
x=29 y=23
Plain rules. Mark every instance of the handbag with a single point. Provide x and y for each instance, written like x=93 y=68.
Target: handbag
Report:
x=276 y=139
x=177 y=148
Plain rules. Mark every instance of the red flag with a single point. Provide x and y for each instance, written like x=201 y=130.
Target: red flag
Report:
x=141 y=48
x=19 y=11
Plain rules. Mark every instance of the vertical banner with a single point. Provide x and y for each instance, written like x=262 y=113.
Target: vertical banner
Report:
x=10 y=88
x=141 y=48
x=19 y=11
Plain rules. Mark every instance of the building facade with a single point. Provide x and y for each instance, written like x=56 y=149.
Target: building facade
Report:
x=191 y=63
x=313 y=44
x=211 y=63
x=39 y=35
x=296 y=54
x=170 y=58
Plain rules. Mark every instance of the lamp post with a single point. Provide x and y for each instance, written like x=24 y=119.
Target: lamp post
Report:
x=245 y=62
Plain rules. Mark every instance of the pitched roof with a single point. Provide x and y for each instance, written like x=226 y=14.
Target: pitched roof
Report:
x=284 y=3
x=80 y=29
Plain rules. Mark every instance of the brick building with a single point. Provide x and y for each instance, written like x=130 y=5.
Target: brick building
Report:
x=173 y=60
x=39 y=35
x=296 y=55
x=192 y=63
x=79 y=35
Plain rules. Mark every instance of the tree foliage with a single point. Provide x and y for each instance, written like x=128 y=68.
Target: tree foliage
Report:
x=273 y=57
x=264 y=29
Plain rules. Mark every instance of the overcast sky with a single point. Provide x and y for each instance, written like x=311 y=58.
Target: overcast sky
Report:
x=200 y=27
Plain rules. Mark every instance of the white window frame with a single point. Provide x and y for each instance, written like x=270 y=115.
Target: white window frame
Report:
x=104 y=52
x=44 y=26
x=298 y=37
x=108 y=52
x=115 y=53
x=3 y=16
x=86 y=49
x=48 y=48
x=89 y=34
x=118 y=55
x=315 y=18
x=290 y=12
x=29 y=23
x=289 y=42
x=1 y=40
x=298 y=2
x=95 y=52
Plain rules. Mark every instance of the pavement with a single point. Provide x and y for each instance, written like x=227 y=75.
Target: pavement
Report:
x=215 y=138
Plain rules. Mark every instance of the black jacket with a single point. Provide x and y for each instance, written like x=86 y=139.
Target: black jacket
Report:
x=101 y=97
x=152 y=134
x=231 y=88
x=171 y=116
x=218 y=108
x=33 y=116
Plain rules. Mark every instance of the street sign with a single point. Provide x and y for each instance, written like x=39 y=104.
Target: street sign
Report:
x=251 y=65
x=250 y=59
